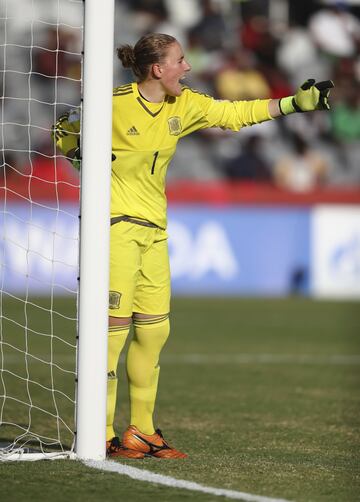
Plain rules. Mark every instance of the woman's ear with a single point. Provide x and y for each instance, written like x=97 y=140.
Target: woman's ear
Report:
x=156 y=70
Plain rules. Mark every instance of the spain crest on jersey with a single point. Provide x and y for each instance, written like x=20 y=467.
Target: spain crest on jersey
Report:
x=114 y=299
x=174 y=126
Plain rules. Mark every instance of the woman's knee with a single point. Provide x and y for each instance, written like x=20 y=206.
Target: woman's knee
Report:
x=119 y=321
x=151 y=331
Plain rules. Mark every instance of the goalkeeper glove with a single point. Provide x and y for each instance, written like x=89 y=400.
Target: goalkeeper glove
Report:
x=76 y=160
x=310 y=96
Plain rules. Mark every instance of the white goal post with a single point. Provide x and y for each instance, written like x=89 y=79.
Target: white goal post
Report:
x=85 y=361
x=95 y=228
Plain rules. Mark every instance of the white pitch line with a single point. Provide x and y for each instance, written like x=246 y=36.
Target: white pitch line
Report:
x=159 y=479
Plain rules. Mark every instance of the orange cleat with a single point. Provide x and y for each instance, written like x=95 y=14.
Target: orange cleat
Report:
x=115 y=449
x=153 y=445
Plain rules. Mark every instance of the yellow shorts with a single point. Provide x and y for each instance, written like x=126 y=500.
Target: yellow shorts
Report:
x=139 y=270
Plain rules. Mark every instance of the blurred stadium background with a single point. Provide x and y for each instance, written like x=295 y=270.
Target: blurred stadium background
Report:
x=255 y=211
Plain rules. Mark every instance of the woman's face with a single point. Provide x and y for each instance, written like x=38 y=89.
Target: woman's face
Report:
x=173 y=69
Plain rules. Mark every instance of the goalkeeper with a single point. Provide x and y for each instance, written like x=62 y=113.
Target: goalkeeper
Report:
x=150 y=115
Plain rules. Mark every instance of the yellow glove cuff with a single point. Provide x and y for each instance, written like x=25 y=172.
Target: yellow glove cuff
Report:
x=286 y=105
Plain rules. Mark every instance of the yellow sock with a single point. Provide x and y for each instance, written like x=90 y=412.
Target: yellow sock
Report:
x=143 y=370
x=116 y=342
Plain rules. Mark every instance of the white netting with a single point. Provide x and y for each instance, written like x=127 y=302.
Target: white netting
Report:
x=40 y=79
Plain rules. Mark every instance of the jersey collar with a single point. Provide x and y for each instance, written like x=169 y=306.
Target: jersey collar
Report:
x=152 y=109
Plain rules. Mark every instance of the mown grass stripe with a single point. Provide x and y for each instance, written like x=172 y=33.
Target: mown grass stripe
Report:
x=236 y=359
x=160 y=479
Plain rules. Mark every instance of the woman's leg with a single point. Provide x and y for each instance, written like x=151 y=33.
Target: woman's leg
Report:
x=150 y=335
x=118 y=331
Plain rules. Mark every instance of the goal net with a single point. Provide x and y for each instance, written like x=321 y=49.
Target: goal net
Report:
x=40 y=63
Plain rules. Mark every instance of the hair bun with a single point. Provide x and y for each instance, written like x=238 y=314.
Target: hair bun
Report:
x=127 y=56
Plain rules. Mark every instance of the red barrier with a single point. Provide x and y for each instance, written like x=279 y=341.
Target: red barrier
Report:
x=50 y=181
x=44 y=180
x=252 y=193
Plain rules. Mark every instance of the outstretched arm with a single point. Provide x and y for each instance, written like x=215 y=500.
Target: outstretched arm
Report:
x=205 y=111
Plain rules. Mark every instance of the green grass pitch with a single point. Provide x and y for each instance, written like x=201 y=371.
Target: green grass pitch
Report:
x=262 y=393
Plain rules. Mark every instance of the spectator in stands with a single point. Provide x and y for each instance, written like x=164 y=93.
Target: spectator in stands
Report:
x=256 y=36
x=278 y=82
x=240 y=79
x=249 y=164
x=253 y=32
x=55 y=58
x=153 y=16
x=204 y=64
x=211 y=29
x=345 y=130
x=345 y=116
x=184 y=13
x=335 y=30
x=303 y=170
x=298 y=56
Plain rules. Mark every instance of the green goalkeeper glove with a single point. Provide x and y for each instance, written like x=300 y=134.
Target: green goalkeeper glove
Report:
x=310 y=96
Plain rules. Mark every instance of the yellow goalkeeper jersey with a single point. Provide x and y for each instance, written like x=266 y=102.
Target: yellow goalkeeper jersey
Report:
x=144 y=140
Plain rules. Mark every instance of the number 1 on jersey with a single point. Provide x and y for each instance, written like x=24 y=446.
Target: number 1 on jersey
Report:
x=154 y=162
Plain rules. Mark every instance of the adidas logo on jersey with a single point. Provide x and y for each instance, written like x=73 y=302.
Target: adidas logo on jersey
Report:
x=132 y=131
